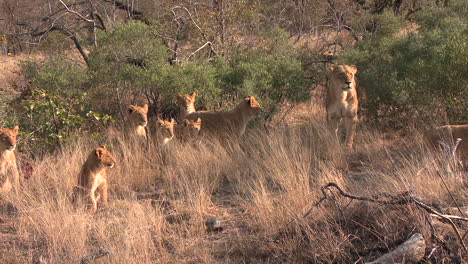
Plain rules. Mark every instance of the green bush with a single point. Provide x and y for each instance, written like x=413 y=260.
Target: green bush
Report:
x=418 y=77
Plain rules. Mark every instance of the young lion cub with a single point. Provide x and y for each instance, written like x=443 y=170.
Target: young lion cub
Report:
x=188 y=130
x=93 y=176
x=186 y=104
x=9 y=175
x=137 y=120
x=164 y=131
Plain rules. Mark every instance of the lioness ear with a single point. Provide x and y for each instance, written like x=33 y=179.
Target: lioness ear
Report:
x=179 y=95
x=353 y=68
x=332 y=68
x=173 y=121
x=186 y=122
x=198 y=122
x=130 y=109
x=15 y=129
x=193 y=94
x=145 y=108
x=103 y=146
x=253 y=102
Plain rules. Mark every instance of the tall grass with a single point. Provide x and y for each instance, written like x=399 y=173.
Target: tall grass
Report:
x=259 y=187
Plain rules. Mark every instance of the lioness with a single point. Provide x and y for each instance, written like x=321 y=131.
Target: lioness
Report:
x=449 y=134
x=93 y=176
x=342 y=99
x=188 y=130
x=164 y=131
x=137 y=120
x=231 y=122
x=186 y=104
x=9 y=175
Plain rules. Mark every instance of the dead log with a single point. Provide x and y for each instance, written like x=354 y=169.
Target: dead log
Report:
x=412 y=250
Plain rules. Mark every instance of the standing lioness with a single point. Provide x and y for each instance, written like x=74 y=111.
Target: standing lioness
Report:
x=93 y=176
x=342 y=99
x=232 y=123
x=9 y=175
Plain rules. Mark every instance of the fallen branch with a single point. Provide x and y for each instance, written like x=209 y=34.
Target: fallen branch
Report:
x=95 y=255
x=412 y=250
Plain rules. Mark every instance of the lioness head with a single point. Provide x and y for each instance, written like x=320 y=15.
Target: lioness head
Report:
x=343 y=76
x=138 y=115
x=187 y=100
x=189 y=129
x=250 y=106
x=8 y=138
x=165 y=129
x=104 y=157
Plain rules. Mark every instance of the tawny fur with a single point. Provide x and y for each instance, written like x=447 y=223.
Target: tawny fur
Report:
x=92 y=181
x=9 y=175
x=137 y=120
x=449 y=134
x=232 y=123
x=342 y=100
x=186 y=104
x=164 y=131
x=188 y=130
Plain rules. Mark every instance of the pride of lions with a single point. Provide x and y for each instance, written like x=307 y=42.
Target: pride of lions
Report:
x=341 y=106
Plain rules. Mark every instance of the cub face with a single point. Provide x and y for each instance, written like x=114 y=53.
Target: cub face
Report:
x=104 y=157
x=189 y=128
x=252 y=106
x=8 y=138
x=166 y=128
x=138 y=115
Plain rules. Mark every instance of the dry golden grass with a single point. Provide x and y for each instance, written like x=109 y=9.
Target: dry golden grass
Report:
x=259 y=188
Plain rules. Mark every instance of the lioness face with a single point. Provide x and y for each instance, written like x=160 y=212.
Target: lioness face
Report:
x=166 y=128
x=8 y=138
x=344 y=75
x=186 y=100
x=138 y=115
x=105 y=157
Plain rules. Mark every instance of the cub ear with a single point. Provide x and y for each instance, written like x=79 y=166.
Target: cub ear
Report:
x=332 y=68
x=160 y=122
x=253 y=102
x=145 y=108
x=131 y=108
x=103 y=146
x=198 y=122
x=186 y=122
x=173 y=121
x=15 y=129
x=99 y=153
x=353 y=68
x=180 y=96
x=193 y=94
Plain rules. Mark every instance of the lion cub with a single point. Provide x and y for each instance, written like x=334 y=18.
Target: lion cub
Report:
x=164 y=131
x=232 y=123
x=449 y=134
x=137 y=120
x=9 y=175
x=188 y=130
x=93 y=176
x=186 y=104
x=342 y=100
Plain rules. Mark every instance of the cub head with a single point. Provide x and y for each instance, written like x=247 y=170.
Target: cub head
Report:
x=189 y=128
x=104 y=157
x=343 y=76
x=8 y=138
x=187 y=100
x=165 y=129
x=138 y=115
x=250 y=106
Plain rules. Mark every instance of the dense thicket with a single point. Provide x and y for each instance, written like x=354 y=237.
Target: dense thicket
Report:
x=411 y=57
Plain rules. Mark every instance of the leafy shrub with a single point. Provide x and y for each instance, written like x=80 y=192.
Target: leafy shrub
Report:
x=416 y=77
x=58 y=105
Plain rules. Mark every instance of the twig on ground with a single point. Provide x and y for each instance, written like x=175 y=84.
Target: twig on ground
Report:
x=95 y=255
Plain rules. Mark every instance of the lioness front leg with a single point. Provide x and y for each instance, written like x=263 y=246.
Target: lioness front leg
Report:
x=334 y=123
x=92 y=197
x=103 y=191
x=350 y=126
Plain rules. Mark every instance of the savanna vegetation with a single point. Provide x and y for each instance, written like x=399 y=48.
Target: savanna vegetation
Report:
x=83 y=62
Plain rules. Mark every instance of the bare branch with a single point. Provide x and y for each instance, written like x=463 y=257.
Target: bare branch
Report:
x=76 y=13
